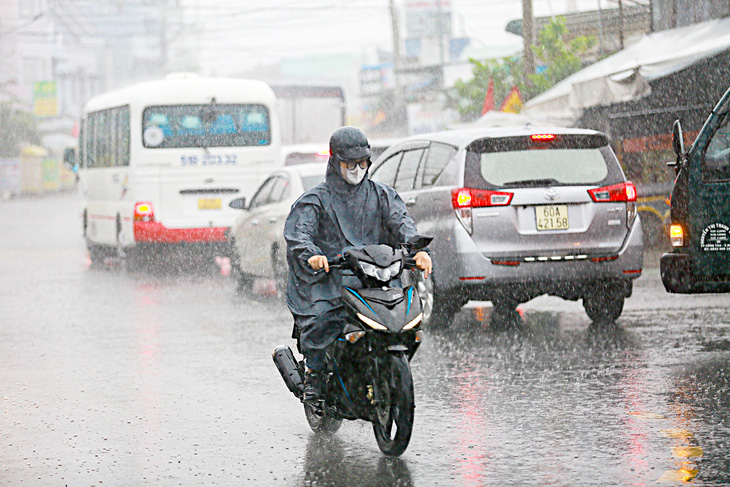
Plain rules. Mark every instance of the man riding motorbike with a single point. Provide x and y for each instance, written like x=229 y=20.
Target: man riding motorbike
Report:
x=348 y=209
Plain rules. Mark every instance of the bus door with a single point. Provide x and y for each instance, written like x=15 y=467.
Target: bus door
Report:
x=105 y=176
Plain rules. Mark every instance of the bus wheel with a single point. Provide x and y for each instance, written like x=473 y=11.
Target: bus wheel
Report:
x=97 y=254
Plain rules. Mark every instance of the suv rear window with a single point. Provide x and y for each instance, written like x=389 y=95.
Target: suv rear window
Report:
x=543 y=161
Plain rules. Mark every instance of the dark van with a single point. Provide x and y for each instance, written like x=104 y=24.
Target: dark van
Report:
x=700 y=209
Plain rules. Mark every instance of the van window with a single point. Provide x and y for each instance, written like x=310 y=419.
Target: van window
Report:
x=211 y=125
x=716 y=163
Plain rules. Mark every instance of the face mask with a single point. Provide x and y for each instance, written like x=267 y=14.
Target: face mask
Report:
x=353 y=176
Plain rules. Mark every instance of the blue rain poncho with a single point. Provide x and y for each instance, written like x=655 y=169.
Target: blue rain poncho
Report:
x=324 y=221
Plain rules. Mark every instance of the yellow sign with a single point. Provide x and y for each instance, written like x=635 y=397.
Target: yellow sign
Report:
x=45 y=103
x=512 y=102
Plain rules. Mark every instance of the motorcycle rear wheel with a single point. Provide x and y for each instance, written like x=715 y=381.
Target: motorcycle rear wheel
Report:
x=320 y=421
x=393 y=428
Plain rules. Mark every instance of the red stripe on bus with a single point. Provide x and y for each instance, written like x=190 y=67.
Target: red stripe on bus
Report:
x=101 y=217
x=157 y=232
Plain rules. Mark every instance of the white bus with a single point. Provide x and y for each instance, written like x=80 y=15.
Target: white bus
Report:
x=158 y=162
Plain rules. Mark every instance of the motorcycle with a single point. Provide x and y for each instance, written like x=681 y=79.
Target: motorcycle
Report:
x=367 y=372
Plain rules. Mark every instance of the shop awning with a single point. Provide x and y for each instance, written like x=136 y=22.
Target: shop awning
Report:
x=626 y=75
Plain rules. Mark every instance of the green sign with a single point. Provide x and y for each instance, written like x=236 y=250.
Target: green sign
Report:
x=45 y=103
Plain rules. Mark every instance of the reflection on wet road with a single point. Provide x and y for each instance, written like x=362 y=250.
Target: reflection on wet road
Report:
x=164 y=377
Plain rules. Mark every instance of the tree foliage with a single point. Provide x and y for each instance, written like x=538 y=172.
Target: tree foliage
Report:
x=558 y=57
x=468 y=96
x=17 y=128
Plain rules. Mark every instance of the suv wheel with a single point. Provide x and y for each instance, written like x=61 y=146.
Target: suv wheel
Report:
x=504 y=314
x=605 y=304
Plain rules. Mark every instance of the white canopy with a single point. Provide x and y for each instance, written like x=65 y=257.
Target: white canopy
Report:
x=626 y=75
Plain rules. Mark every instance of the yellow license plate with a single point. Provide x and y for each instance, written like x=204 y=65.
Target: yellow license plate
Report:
x=551 y=217
x=209 y=203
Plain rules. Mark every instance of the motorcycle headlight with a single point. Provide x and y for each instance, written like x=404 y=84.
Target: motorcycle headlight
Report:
x=395 y=268
x=380 y=273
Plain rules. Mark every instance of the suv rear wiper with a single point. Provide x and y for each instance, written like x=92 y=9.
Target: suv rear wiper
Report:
x=532 y=183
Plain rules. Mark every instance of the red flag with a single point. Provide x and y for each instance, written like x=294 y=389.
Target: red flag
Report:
x=489 y=98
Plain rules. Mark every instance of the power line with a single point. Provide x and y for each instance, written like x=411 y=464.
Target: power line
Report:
x=21 y=27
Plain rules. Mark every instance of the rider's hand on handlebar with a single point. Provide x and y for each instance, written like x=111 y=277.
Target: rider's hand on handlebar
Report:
x=423 y=262
x=318 y=262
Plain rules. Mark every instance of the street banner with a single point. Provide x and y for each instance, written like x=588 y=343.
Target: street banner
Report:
x=45 y=103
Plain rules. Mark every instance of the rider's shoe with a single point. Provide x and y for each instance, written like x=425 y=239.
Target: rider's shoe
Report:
x=313 y=386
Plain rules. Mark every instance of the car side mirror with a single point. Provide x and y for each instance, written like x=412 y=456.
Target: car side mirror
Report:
x=238 y=204
x=69 y=157
x=677 y=145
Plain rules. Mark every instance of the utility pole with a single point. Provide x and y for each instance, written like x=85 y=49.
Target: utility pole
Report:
x=441 y=44
x=528 y=37
x=621 y=24
x=399 y=109
x=600 y=29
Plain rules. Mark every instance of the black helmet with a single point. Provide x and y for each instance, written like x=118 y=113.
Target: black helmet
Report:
x=349 y=143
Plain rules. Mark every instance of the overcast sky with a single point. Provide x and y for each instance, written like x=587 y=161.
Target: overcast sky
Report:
x=259 y=32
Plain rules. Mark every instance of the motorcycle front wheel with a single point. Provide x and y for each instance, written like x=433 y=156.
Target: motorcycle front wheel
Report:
x=320 y=421
x=394 y=419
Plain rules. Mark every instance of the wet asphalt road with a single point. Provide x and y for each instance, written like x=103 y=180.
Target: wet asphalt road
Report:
x=164 y=377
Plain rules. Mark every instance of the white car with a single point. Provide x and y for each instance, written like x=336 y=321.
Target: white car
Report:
x=311 y=153
x=257 y=236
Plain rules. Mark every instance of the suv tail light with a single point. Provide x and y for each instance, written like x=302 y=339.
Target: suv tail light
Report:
x=143 y=212
x=622 y=192
x=464 y=199
x=617 y=192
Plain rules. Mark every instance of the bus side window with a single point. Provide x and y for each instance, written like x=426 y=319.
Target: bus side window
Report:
x=111 y=137
x=123 y=131
x=82 y=145
x=716 y=163
x=92 y=138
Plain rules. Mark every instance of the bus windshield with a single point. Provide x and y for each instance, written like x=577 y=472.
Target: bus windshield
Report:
x=210 y=125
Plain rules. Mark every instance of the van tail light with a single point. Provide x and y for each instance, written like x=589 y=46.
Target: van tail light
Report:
x=618 y=193
x=143 y=212
x=464 y=199
x=676 y=235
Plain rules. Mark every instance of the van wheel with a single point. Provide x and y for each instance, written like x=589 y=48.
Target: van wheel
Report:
x=604 y=305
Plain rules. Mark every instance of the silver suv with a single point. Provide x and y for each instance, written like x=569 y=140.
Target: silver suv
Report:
x=517 y=213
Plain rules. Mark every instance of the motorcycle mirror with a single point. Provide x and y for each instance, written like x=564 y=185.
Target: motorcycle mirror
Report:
x=418 y=242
